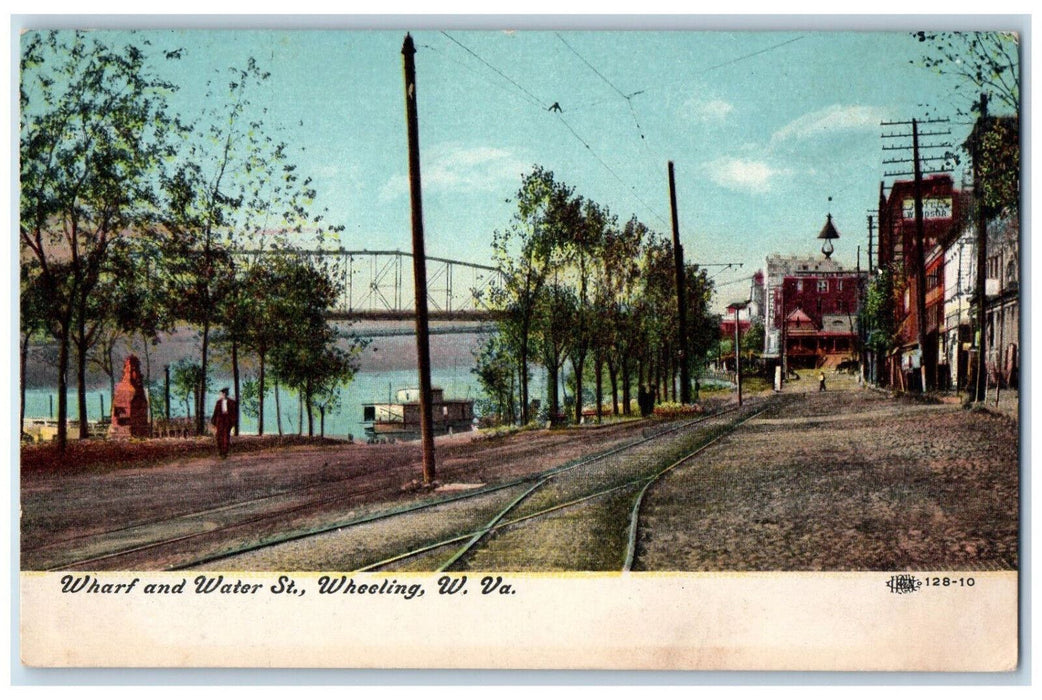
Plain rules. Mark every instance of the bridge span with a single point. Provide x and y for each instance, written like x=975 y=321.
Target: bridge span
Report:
x=364 y=329
x=377 y=285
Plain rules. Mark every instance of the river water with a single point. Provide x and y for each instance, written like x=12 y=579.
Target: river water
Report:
x=366 y=387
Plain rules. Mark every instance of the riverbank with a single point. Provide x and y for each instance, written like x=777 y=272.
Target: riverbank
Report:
x=103 y=455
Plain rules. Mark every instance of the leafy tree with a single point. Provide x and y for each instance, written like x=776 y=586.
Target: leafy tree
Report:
x=258 y=325
x=126 y=304
x=703 y=325
x=555 y=320
x=186 y=378
x=752 y=340
x=577 y=287
x=494 y=367
x=996 y=142
x=306 y=357
x=582 y=243
x=32 y=320
x=524 y=255
x=330 y=401
x=877 y=314
x=984 y=62
x=618 y=279
x=656 y=312
x=235 y=189
x=94 y=131
x=249 y=397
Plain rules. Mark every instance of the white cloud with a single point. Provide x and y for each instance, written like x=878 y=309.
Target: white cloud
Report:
x=708 y=110
x=831 y=120
x=452 y=166
x=743 y=174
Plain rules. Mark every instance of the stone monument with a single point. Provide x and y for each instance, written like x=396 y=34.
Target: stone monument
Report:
x=129 y=404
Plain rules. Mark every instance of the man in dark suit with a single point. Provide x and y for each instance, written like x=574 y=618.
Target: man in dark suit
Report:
x=225 y=417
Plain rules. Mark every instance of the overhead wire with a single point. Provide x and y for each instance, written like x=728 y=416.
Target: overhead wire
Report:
x=751 y=55
x=539 y=103
x=469 y=69
x=535 y=100
x=734 y=281
x=623 y=95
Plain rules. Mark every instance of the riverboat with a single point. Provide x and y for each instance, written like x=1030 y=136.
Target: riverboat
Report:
x=400 y=420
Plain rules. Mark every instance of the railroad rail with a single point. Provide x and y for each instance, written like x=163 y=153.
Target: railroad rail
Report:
x=302 y=500
x=499 y=521
x=538 y=478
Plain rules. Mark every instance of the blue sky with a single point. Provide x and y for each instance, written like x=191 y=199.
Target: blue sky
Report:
x=763 y=127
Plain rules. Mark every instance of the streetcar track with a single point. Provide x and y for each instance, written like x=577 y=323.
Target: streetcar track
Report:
x=631 y=545
x=544 y=476
x=364 y=473
x=52 y=544
x=246 y=503
x=475 y=537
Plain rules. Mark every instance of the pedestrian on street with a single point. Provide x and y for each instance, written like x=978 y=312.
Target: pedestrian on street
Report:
x=225 y=417
x=821 y=380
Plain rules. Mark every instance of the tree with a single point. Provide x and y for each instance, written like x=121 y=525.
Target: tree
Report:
x=126 y=304
x=877 y=314
x=234 y=190
x=306 y=357
x=94 y=131
x=494 y=368
x=556 y=315
x=996 y=143
x=617 y=278
x=185 y=381
x=582 y=242
x=984 y=62
x=623 y=273
x=703 y=325
x=524 y=256
x=249 y=399
x=752 y=340
x=656 y=311
x=32 y=320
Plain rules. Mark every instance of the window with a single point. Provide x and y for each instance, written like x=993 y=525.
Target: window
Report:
x=839 y=285
x=799 y=285
x=823 y=286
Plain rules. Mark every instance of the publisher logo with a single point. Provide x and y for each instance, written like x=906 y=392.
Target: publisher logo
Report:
x=903 y=583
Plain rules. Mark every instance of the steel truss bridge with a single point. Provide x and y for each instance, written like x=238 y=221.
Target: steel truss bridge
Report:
x=377 y=285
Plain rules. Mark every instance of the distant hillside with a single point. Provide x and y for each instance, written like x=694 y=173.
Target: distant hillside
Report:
x=383 y=354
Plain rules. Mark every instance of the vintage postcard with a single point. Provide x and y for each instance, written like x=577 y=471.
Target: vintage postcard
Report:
x=714 y=363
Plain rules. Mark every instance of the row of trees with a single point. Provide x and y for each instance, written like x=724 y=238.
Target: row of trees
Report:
x=134 y=220
x=581 y=288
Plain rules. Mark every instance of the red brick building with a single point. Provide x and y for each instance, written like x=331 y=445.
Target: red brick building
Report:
x=943 y=208
x=811 y=314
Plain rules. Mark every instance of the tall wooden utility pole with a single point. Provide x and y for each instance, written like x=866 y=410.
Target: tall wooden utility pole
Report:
x=678 y=260
x=920 y=257
x=871 y=228
x=981 y=388
x=737 y=354
x=419 y=264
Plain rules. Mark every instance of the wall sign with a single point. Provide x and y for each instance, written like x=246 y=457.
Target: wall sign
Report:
x=933 y=208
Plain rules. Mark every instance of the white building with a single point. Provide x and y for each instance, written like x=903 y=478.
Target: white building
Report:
x=960 y=263
x=776 y=269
